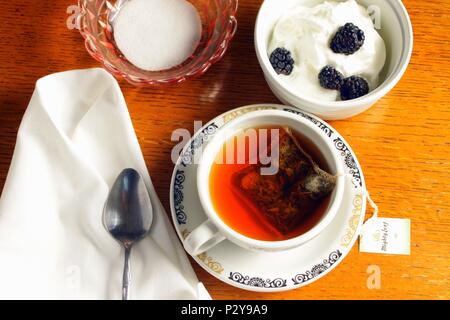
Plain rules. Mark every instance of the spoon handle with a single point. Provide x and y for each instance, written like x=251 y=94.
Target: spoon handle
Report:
x=126 y=274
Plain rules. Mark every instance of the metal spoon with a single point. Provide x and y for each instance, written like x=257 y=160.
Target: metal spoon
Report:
x=128 y=216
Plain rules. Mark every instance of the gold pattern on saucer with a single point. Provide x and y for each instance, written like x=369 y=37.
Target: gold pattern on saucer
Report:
x=208 y=261
x=234 y=114
x=185 y=233
x=353 y=222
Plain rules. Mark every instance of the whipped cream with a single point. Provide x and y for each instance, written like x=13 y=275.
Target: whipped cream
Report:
x=307 y=32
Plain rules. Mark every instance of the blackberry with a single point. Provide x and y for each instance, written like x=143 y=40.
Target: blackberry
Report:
x=348 y=39
x=282 y=61
x=330 y=78
x=354 y=87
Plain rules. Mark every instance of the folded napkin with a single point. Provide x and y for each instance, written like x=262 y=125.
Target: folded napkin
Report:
x=75 y=138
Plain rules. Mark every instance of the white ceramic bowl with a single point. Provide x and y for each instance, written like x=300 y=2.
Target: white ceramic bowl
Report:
x=214 y=230
x=396 y=31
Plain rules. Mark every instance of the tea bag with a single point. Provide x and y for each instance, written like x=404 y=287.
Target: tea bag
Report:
x=295 y=192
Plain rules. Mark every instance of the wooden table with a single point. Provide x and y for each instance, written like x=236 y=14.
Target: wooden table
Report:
x=403 y=142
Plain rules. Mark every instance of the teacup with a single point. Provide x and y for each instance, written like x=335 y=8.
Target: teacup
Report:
x=214 y=230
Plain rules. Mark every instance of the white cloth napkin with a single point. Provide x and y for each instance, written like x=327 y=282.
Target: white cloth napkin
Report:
x=75 y=138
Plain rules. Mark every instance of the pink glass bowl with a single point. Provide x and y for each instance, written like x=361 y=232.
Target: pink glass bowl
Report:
x=218 y=22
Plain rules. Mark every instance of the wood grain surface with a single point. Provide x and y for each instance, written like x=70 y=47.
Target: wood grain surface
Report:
x=403 y=142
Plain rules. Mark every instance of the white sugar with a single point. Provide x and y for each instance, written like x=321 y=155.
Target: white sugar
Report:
x=157 y=34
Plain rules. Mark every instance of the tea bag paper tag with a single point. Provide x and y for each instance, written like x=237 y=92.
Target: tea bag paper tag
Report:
x=385 y=235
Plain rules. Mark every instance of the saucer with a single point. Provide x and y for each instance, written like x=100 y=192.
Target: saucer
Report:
x=269 y=271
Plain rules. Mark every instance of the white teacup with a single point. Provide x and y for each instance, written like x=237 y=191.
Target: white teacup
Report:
x=214 y=230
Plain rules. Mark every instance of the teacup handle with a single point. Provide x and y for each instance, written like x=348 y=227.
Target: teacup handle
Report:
x=203 y=238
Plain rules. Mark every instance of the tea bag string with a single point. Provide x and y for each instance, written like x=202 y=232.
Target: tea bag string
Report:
x=366 y=193
x=373 y=205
